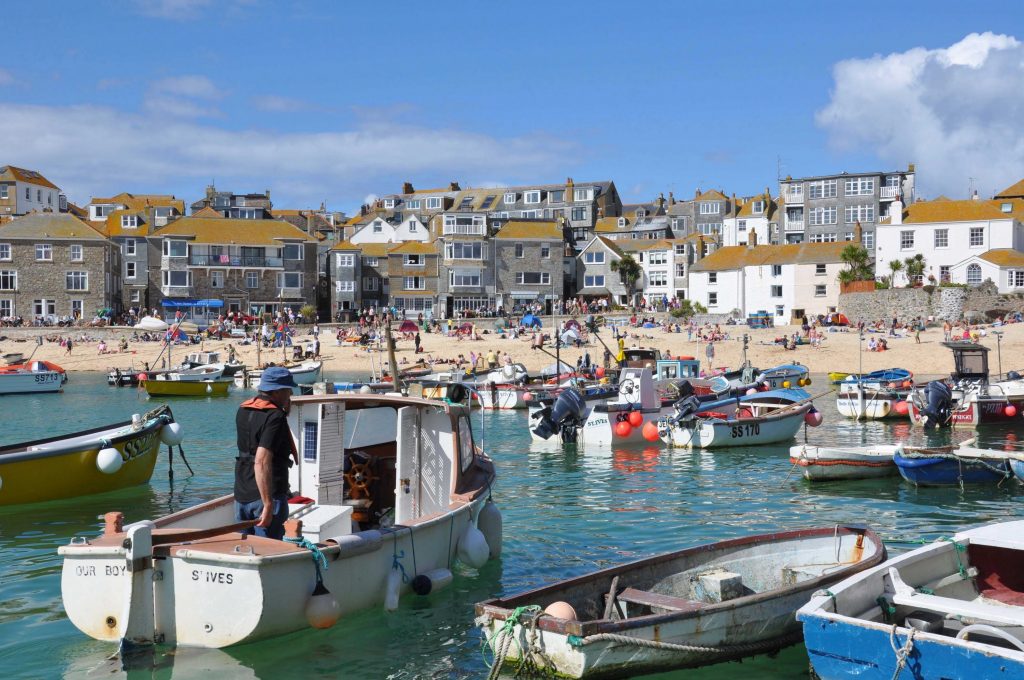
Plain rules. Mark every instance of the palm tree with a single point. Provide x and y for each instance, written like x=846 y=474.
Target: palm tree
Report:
x=629 y=271
x=914 y=267
x=895 y=266
x=858 y=264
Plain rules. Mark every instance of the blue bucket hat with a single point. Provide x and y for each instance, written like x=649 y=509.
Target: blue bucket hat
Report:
x=275 y=378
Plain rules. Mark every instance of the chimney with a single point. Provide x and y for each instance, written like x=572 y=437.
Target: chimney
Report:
x=896 y=212
x=911 y=167
x=858 y=233
x=700 y=247
x=210 y=191
x=696 y=194
x=267 y=194
x=671 y=199
x=454 y=186
x=661 y=200
x=752 y=239
x=767 y=193
x=600 y=212
x=568 y=188
x=974 y=197
x=407 y=188
x=309 y=223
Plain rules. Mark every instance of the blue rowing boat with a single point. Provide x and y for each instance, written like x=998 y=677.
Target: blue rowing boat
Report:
x=953 y=465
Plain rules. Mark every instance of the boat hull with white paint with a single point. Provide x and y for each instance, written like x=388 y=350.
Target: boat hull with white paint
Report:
x=32 y=377
x=761 y=418
x=823 y=463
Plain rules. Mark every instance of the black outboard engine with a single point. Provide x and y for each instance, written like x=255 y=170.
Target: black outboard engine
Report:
x=564 y=416
x=686 y=407
x=939 y=406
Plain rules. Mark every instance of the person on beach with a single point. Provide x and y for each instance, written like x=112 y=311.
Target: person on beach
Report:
x=67 y=348
x=417 y=341
x=265 y=452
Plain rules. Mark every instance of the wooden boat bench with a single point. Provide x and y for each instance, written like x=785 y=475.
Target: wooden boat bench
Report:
x=905 y=595
x=658 y=601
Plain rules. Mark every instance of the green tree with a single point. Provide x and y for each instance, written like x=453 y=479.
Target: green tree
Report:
x=858 y=264
x=629 y=272
x=895 y=266
x=688 y=308
x=914 y=267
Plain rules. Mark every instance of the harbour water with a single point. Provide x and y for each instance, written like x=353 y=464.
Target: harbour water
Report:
x=566 y=512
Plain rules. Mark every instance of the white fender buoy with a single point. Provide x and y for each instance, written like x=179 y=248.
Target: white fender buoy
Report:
x=509 y=371
x=473 y=549
x=391 y=591
x=322 y=610
x=428 y=582
x=109 y=460
x=171 y=434
x=489 y=524
x=209 y=388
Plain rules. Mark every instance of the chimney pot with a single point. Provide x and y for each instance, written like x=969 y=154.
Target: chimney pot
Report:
x=407 y=188
x=454 y=186
x=671 y=199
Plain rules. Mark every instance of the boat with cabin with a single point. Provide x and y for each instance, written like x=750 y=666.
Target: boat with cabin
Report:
x=304 y=373
x=683 y=609
x=390 y=491
x=876 y=395
x=951 y=609
x=32 y=377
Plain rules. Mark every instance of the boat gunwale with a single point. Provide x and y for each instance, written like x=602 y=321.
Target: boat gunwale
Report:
x=19 y=452
x=497 y=609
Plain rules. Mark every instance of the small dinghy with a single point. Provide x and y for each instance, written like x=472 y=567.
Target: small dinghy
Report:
x=682 y=609
x=825 y=463
x=951 y=609
x=954 y=465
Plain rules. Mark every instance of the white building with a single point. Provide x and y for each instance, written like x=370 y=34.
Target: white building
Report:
x=657 y=259
x=961 y=241
x=757 y=216
x=24 y=191
x=788 y=281
x=380 y=230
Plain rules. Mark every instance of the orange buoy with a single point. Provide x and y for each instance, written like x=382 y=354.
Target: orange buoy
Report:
x=650 y=431
x=636 y=419
x=623 y=428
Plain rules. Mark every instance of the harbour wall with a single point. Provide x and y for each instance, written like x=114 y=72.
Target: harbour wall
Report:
x=977 y=304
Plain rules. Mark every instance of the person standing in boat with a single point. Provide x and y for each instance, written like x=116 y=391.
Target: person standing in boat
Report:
x=265 y=452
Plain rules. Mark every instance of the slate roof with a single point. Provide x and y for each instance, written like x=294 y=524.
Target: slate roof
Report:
x=50 y=225
x=731 y=258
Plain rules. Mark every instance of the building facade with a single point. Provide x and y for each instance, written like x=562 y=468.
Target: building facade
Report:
x=528 y=257
x=23 y=191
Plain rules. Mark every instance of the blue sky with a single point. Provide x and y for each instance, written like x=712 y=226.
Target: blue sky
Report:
x=335 y=101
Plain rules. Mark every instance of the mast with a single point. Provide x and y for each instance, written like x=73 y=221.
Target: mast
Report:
x=392 y=361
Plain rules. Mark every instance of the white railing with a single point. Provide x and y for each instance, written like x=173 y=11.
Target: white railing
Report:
x=176 y=291
x=464 y=230
x=793 y=225
x=289 y=293
x=793 y=197
x=890 y=193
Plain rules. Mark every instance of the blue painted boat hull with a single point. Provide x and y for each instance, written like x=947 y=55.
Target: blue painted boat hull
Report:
x=841 y=651
x=1017 y=466
x=948 y=472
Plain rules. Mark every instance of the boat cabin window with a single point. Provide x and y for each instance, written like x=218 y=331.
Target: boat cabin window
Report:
x=970 y=362
x=669 y=372
x=309 y=431
x=466 y=449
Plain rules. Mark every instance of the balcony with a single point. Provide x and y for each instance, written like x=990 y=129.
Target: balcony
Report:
x=889 y=193
x=793 y=198
x=288 y=293
x=234 y=261
x=794 y=225
x=176 y=291
x=464 y=230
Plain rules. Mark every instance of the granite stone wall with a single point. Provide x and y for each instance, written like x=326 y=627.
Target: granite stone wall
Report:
x=907 y=303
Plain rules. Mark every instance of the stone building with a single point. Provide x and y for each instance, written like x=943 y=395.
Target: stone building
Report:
x=413 y=273
x=528 y=262
x=55 y=265
x=344 y=263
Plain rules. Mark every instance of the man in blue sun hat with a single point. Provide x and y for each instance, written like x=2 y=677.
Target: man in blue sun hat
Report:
x=265 y=452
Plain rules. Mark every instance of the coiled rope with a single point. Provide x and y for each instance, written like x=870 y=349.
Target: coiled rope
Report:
x=902 y=653
x=319 y=559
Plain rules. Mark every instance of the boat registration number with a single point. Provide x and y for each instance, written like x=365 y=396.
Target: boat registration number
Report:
x=745 y=430
x=43 y=378
x=137 y=447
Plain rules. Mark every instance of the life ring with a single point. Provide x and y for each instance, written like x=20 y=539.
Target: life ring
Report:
x=359 y=478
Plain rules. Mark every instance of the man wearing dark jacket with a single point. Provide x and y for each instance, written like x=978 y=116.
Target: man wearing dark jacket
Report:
x=265 y=452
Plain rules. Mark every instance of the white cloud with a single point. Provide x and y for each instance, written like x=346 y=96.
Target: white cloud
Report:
x=955 y=111
x=6 y=78
x=276 y=104
x=97 y=150
x=183 y=97
x=199 y=87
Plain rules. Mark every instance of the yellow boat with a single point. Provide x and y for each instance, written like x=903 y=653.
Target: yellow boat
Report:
x=187 y=388
x=837 y=377
x=93 y=461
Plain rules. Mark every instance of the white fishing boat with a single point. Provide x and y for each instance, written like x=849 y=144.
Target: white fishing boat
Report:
x=630 y=418
x=682 y=609
x=389 y=488
x=823 y=463
x=32 y=376
x=304 y=373
x=950 y=609
x=760 y=418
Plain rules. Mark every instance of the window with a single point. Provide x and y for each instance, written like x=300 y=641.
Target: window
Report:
x=710 y=207
x=414 y=283
x=39 y=195
x=178 y=278
x=5 y=251
x=510 y=198
x=906 y=240
x=370 y=261
x=44 y=252
x=1017 y=279
x=309 y=438
x=129 y=221
x=378 y=227
x=776 y=291
x=129 y=270
x=780 y=310
x=578 y=214
x=556 y=196
x=709 y=228
x=658 y=279
x=657 y=257
x=345 y=286
x=712 y=299
x=415 y=260
x=129 y=246
x=867 y=239
x=44 y=307
x=252 y=279
x=741 y=225
x=6 y=308
x=712 y=277
x=246 y=213
x=28 y=194
x=413 y=205
x=519 y=250
x=582 y=194
x=3 y=195
x=175 y=248
x=413 y=224
x=823 y=189
x=973 y=274
x=776 y=270
x=977 y=236
x=346 y=260
x=827 y=237
x=533 y=278
x=531 y=197
x=464 y=277
x=389 y=203
x=821 y=216
x=848 y=236
x=944 y=273
x=819 y=270
x=593 y=258
x=1006 y=207
x=819 y=290
x=942 y=238
x=8 y=280
x=860 y=186
x=370 y=283
x=136 y=295
x=292 y=251
x=289 y=279
x=593 y=280
x=859 y=213
x=75 y=252
x=216 y=279
x=464 y=250
x=679 y=224
x=77 y=280
x=433 y=203
x=545 y=250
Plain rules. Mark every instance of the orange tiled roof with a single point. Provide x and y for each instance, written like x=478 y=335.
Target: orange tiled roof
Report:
x=207 y=213
x=143 y=201
x=530 y=230
x=1013 y=191
x=731 y=258
x=9 y=173
x=1004 y=257
x=926 y=212
x=413 y=248
x=50 y=225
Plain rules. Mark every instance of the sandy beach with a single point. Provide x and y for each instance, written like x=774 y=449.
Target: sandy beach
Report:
x=838 y=352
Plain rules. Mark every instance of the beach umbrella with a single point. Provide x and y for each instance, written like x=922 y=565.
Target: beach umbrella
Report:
x=408 y=326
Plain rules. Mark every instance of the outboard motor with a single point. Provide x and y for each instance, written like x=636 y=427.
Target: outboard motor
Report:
x=564 y=416
x=686 y=407
x=1013 y=375
x=939 y=404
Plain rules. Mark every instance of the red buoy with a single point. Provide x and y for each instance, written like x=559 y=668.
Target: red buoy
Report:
x=636 y=419
x=623 y=428
x=650 y=431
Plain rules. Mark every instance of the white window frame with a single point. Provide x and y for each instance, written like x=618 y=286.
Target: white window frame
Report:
x=509 y=198
x=545 y=250
x=712 y=299
x=741 y=225
x=76 y=252
x=978 y=232
x=941 y=238
x=461 y=246
x=520 y=251
x=371 y=262
x=130 y=270
x=44 y=252
x=658 y=279
x=5 y=252
x=9 y=279
x=413 y=260
x=776 y=291
x=860 y=186
x=822 y=216
x=582 y=195
x=656 y=257
x=346 y=260
x=169 y=247
x=346 y=286
x=820 y=269
x=252 y=280
x=544 y=279
x=710 y=207
x=907 y=239
x=859 y=213
x=135 y=295
x=776 y=270
x=129 y=246
x=282 y=279
x=826 y=188
x=217 y=278
x=593 y=257
x=6 y=307
x=414 y=283
x=973 y=267
x=593 y=280
x=413 y=204
x=129 y=221
x=531 y=197
x=820 y=290
x=371 y=283
x=433 y=203
x=77 y=281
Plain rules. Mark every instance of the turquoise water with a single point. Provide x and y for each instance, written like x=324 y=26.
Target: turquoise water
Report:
x=565 y=511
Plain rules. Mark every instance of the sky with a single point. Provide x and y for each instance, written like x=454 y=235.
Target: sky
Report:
x=336 y=102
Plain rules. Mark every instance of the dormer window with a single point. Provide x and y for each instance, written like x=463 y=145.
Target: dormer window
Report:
x=129 y=221
x=622 y=221
x=1006 y=207
x=412 y=225
x=582 y=194
x=467 y=203
x=413 y=205
x=531 y=197
x=641 y=213
x=710 y=207
x=510 y=198
x=389 y=202
x=758 y=207
x=433 y=203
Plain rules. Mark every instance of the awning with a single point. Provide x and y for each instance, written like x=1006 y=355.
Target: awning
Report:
x=192 y=303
